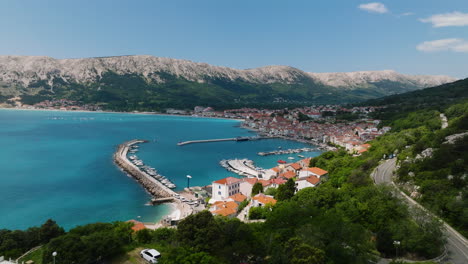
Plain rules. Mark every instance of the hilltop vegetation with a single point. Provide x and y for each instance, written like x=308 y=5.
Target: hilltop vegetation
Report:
x=435 y=98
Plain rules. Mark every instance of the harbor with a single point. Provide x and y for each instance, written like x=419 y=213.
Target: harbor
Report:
x=239 y=139
x=285 y=151
x=242 y=167
x=140 y=172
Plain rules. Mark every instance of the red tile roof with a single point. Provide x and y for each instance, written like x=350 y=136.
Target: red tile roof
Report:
x=288 y=174
x=264 y=199
x=313 y=179
x=238 y=197
x=137 y=226
x=224 y=211
x=228 y=180
x=296 y=166
x=252 y=181
x=277 y=181
x=317 y=171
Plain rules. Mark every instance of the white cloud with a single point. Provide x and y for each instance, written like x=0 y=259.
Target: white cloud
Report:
x=452 y=44
x=447 y=19
x=374 y=8
x=407 y=14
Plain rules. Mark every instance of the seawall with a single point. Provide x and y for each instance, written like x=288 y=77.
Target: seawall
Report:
x=153 y=186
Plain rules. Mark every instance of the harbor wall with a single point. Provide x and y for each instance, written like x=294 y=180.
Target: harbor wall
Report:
x=150 y=184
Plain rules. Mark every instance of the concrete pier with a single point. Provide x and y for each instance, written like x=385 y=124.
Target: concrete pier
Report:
x=152 y=185
x=220 y=139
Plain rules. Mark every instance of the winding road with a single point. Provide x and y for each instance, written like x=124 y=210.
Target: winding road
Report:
x=457 y=245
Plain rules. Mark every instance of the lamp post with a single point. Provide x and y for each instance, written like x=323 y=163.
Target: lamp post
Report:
x=396 y=243
x=54 y=254
x=188 y=181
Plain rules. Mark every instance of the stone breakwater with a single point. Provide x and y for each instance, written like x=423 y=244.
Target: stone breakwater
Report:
x=151 y=185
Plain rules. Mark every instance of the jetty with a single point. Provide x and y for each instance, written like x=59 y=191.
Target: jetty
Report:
x=153 y=186
x=243 y=167
x=285 y=151
x=220 y=139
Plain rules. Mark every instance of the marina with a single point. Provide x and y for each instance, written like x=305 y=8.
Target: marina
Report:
x=149 y=170
x=136 y=168
x=286 y=151
x=243 y=167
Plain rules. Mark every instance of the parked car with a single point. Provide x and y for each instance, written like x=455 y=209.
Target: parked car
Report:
x=150 y=255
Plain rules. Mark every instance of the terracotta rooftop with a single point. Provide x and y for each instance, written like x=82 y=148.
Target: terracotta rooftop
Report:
x=317 y=171
x=228 y=180
x=296 y=166
x=238 y=197
x=137 y=226
x=288 y=174
x=252 y=181
x=225 y=211
x=313 y=179
x=264 y=199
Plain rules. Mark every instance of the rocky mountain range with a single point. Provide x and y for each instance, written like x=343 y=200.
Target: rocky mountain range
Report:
x=161 y=82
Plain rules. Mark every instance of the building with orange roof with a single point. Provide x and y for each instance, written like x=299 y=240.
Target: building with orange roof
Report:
x=224 y=208
x=137 y=225
x=293 y=167
x=222 y=189
x=238 y=197
x=304 y=162
x=310 y=181
x=288 y=175
x=246 y=186
x=316 y=171
x=228 y=212
x=262 y=200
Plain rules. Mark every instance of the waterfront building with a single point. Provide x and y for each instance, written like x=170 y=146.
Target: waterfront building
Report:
x=222 y=189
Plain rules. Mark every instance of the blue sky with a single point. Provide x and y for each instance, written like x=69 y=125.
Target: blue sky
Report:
x=409 y=36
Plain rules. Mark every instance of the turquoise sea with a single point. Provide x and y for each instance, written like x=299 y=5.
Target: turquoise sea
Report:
x=59 y=165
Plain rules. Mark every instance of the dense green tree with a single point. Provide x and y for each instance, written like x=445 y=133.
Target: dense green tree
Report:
x=257 y=188
x=200 y=232
x=144 y=236
x=286 y=191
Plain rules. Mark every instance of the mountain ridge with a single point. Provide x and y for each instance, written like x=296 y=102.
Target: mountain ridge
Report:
x=139 y=78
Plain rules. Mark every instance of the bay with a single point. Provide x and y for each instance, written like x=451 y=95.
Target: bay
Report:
x=58 y=165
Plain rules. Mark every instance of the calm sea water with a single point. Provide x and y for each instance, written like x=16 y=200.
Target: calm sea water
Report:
x=59 y=164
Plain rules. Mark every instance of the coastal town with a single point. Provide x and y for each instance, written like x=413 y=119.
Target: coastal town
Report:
x=255 y=187
x=326 y=126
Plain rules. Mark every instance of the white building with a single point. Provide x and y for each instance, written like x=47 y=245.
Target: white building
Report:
x=4 y=261
x=315 y=171
x=222 y=189
x=311 y=181
x=246 y=186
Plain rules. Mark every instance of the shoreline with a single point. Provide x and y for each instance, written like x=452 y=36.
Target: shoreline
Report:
x=115 y=112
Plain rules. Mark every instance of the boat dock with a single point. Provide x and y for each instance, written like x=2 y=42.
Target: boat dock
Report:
x=243 y=167
x=219 y=140
x=153 y=186
x=285 y=151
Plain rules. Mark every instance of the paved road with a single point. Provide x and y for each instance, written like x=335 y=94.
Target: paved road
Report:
x=457 y=245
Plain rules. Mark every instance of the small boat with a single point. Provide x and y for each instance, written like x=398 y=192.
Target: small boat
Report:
x=301 y=156
x=290 y=158
x=282 y=162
